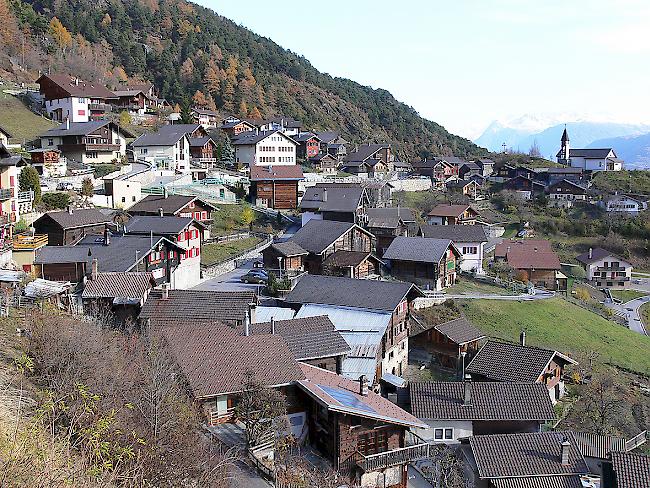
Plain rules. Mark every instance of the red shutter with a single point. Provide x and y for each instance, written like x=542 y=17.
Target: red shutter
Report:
x=198 y=252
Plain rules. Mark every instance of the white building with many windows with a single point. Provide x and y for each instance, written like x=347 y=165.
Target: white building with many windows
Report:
x=264 y=149
x=169 y=151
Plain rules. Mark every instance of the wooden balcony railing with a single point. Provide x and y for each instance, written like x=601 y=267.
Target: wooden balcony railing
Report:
x=395 y=457
x=29 y=242
x=221 y=417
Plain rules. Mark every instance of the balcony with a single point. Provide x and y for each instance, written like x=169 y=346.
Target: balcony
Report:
x=88 y=147
x=29 y=243
x=395 y=457
x=610 y=269
x=6 y=193
x=99 y=107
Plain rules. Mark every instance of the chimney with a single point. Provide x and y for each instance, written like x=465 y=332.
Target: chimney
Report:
x=161 y=213
x=107 y=236
x=251 y=316
x=70 y=210
x=165 y=292
x=591 y=253
x=76 y=81
x=93 y=272
x=564 y=452
x=165 y=194
x=272 y=325
x=67 y=123
x=522 y=338
x=363 y=385
x=324 y=197
x=467 y=390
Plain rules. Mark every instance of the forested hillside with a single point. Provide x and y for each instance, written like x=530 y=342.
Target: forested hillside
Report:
x=191 y=52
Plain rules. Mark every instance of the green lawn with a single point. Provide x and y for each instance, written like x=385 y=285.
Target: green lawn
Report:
x=466 y=286
x=216 y=253
x=627 y=295
x=644 y=310
x=558 y=324
x=22 y=123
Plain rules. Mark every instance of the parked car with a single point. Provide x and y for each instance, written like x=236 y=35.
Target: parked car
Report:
x=257 y=276
x=522 y=233
x=65 y=186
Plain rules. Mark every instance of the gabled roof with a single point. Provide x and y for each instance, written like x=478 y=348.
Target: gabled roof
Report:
x=456 y=233
x=203 y=111
x=288 y=249
x=521 y=455
x=530 y=245
x=267 y=357
x=449 y=210
x=197 y=306
x=337 y=198
x=252 y=137
x=5 y=132
x=596 y=255
x=9 y=159
x=305 y=136
x=418 y=249
x=346 y=259
x=276 y=172
x=591 y=153
x=159 y=138
x=79 y=88
x=82 y=128
x=632 y=470
x=489 y=401
x=318 y=235
x=339 y=394
x=570 y=481
x=81 y=217
x=365 y=151
x=460 y=184
x=171 y=204
x=564 y=182
x=388 y=217
x=200 y=141
x=328 y=136
x=349 y=292
x=524 y=259
x=307 y=337
x=598 y=446
x=121 y=285
x=459 y=331
x=166 y=225
x=501 y=361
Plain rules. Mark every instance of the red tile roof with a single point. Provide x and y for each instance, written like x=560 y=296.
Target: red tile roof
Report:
x=526 y=244
x=524 y=259
x=341 y=394
x=280 y=172
x=216 y=359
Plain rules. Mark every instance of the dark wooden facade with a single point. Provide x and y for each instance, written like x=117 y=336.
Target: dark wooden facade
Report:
x=439 y=275
x=289 y=264
x=359 y=267
x=206 y=151
x=278 y=194
x=356 y=239
x=446 y=351
x=59 y=236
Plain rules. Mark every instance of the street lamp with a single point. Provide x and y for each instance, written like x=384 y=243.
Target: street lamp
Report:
x=280 y=267
x=462 y=355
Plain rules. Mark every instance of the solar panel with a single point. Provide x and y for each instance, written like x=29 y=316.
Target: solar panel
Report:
x=346 y=399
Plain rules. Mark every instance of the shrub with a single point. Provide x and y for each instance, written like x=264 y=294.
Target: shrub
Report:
x=55 y=200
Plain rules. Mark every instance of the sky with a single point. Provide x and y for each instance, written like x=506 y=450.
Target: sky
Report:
x=465 y=63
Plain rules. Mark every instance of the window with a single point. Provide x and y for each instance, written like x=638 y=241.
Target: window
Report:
x=445 y=434
x=50 y=142
x=143 y=150
x=123 y=199
x=82 y=100
x=204 y=214
x=91 y=154
x=372 y=442
x=81 y=112
x=470 y=250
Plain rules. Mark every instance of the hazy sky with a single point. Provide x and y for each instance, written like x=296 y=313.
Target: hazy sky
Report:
x=464 y=63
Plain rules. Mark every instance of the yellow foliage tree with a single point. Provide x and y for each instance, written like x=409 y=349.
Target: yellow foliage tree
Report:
x=212 y=80
x=106 y=20
x=60 y=34
x=187 y=69
x=199 y=99
x=184 y=28
x=248 y=77
x=8 y=26
x=243 y=109
x=120 y=74
x=255 y=114
x=231 y=68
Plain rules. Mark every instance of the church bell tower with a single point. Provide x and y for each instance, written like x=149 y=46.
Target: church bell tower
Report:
x=563 y=155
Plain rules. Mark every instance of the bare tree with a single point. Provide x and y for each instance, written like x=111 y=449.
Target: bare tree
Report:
x=446 y=469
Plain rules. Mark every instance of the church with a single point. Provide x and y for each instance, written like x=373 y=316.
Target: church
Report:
x=588 y=159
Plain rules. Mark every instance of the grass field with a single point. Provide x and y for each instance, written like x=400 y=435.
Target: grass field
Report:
x=627 y=295
x=465 y=286
x=22 y=123
x=644 y=310
x=558 y=324
x=216 y=253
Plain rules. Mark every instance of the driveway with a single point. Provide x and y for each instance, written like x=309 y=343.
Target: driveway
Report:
x=630 y=311
x=538 y=295
x=230 y=281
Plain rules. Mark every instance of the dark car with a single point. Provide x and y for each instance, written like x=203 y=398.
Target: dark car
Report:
x=257 y=276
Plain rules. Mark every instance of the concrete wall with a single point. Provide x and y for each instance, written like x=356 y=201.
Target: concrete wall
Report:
x=412 y=184
x=471 y=262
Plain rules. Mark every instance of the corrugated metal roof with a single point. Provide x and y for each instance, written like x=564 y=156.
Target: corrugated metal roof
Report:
x=265 y=314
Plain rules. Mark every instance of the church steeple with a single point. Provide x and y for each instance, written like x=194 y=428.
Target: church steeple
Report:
x=565 y=151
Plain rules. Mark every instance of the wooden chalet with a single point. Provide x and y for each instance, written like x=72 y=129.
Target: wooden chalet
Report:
x=390 y=222
x=424 y=261
x=174 y=205
x=524 y=185
x=308 y=145
x=331 y=201
x=275 y=186
x=533 y=261
x=325 y=162
x=452 y=215
x=66 y=227
x=203 y=149
x=284 y=258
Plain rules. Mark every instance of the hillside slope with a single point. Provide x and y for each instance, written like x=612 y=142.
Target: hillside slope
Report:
x=185 y=48
x=22 y=123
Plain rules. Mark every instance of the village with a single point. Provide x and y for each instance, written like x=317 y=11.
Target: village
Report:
x=340 y=287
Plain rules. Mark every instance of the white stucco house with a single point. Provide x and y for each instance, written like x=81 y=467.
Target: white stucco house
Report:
x=264 y=149
x=597 y=159
x=168 y=150
x=624 y=204
x=606 y=269
x=470 y=240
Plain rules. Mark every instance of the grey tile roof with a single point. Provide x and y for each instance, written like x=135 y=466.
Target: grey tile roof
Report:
x=339 y=199
x=343 y=259
x=596 y=255
x=520 y=455
x=365 y=151
x=500 y=361
x=460 y=331
x=571 y=481
x=598 y=446
x=305 y=136
x=267 y=357
x=171 y=204
x=308 y=337
x=589 y=153
x=78 y=218
x=448 y=210
x=317 y=235
x=179 y=129
x=79 y=88
x=166 y=225
x=119 y=285
x=417 y=249
x=288 y=249
x=158 y=139
x=200 y=141
x=5 y=132
x=348 y=292
x=455 y=233
x=388 y=217
x=251 y=137
x=632 y=470
x=490 y=401
x=81 y=129
x=197 y=306
x=328 y=136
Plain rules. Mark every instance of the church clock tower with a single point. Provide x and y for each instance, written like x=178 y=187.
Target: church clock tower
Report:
x=564 y=154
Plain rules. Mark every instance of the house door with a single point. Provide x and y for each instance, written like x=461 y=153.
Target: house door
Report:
x=222 y=404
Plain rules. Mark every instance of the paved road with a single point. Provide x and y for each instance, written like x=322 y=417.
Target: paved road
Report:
x=641 y=284
x=230 y=281
x=630 y=310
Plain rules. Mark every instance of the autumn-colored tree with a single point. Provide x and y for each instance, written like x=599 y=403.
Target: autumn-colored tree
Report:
x=243 y=109
x=184 y=28
x=255 y=114
x=199 y=99
x=8 y=26
x=187 y=70
x=166 y=24
x=228 y=96
x=120 y=74
x=231 y=68
x=212 y=80
x=248 y=77
x=211 y=105
x=125 y=118
x=215 y=52
x=60 y=34
x=106 y=20
x=177 y=108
